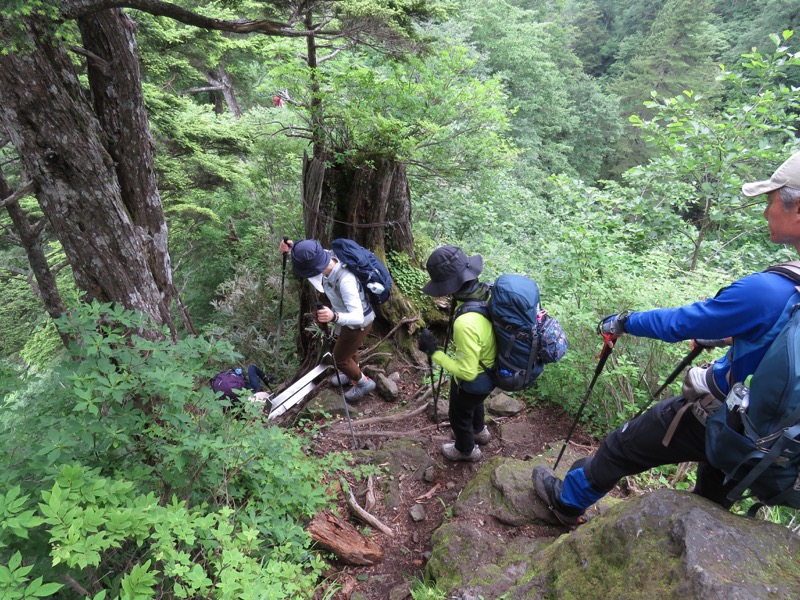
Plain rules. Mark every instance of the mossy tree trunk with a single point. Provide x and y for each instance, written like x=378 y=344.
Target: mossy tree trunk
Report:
x=369 y=204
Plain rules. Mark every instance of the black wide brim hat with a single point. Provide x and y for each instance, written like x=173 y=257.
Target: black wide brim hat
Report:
x=309 y=258
x=449 y=269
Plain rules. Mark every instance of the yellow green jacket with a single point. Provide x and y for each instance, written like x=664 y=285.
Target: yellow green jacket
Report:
x=474 y=342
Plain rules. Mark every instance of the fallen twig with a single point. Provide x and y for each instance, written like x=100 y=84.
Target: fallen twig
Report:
x=363 y=514
x=392 y=417
x=388 y=434
x=369 y=499
x=429 y=494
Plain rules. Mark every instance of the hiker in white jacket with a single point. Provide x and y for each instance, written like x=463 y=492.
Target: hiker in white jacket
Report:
x=350 y=311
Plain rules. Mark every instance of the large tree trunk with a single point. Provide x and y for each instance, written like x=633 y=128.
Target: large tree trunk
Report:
x=117 y=252
x=115 y=82
x=368 y=204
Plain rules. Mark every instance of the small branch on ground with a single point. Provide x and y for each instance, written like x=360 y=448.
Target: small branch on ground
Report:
x=428 y=495
x=414 y=435
x=393 y=417
x=369 y=499
x=363 y=514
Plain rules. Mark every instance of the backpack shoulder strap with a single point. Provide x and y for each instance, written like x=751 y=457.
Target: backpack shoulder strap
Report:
x=790 y=270
x=478 y=306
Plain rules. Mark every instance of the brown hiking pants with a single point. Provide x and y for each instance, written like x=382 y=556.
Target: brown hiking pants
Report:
x=345 y=350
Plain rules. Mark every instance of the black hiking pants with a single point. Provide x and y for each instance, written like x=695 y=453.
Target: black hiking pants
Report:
x=466 y=416
x=637 y=446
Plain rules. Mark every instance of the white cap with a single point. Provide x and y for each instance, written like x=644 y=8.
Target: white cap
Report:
x=259 y=397
x=787 y=174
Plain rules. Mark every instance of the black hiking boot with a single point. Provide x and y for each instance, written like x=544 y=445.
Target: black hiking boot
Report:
x=548 y=488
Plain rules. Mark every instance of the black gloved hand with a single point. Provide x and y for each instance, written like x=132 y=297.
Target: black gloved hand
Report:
x=427 y=342
x=613 y=325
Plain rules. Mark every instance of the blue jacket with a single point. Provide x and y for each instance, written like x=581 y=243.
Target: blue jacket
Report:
x=751 y=310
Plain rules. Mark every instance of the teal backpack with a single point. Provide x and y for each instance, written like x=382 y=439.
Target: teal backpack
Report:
x=527 y=337
x=754 y=438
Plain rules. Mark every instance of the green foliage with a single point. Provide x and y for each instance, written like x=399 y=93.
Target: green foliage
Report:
x=434 y=112
x=128 y=473
x=19 y=311
x=422 y=590
x=246 y=317
x=788 y=517
x=15 y=583
x=678 y=477
x=582 y=281
x=562 y=120
x=407 y=277
x=707 y=150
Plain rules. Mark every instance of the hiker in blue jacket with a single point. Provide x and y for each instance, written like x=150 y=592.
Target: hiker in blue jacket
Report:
x=350 y=312
x=751 y=311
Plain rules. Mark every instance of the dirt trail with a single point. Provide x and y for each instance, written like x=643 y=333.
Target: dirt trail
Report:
x=405 y=555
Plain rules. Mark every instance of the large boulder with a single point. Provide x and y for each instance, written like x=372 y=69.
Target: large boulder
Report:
x=665 y=544
x=671 y=544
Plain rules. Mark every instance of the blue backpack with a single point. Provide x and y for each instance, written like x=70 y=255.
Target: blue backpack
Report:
x=368 y=269
x=754 y=438
x=526 y=336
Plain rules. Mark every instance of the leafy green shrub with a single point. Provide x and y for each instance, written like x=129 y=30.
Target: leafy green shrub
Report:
x=126 y=476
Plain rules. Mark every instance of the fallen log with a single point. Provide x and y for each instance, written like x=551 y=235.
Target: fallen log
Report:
x=345 y=541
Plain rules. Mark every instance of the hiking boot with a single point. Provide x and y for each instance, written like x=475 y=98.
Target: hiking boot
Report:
x=548 y=488
x=450 y=453
x=359 y=390
x=339 y=379
x=483 y=437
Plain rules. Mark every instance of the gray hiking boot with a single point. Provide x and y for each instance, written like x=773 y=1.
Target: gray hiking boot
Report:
x=339 y=379
x=548 y=488
x=483 y=437
x=359 y=390
x=450 y=453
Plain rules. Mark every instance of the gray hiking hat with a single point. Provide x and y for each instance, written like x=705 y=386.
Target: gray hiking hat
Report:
x=309 y=258
x=787 y=174
x=449 y=269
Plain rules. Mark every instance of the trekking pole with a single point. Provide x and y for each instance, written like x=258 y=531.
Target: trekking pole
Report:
x=687 y=360
x=608 y=345
x=435 y=394
x=327 y=333
x=283 y=280
x=437 y=388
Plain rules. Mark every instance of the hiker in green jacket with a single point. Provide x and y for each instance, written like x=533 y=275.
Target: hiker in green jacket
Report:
x=455 y=274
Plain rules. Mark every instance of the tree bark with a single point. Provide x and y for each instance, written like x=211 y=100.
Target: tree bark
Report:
x=119 y=105
x=344 y=540
x=63 y=148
